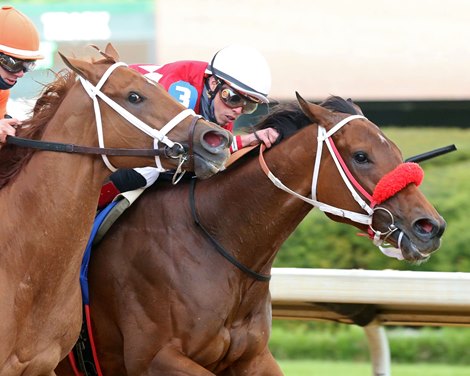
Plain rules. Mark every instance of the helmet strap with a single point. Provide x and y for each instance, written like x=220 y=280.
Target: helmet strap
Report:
x=207 y=101
x=211 y=93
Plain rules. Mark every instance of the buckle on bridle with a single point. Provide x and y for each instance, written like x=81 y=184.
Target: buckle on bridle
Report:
x=179 y=173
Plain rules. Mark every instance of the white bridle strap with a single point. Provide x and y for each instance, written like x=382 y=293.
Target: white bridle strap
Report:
x=152 y=132
x=168 y=127
x=159 y=135
x=91 y=91
x=322 y=136
x=347 y=181
x=356 y=217
x=342 y=123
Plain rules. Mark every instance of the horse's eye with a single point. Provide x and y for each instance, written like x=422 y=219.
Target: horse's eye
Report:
x=135 y=98
x=361 y=157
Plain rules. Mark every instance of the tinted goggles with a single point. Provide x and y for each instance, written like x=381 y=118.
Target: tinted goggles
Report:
x=233 y=100
x=14 y=65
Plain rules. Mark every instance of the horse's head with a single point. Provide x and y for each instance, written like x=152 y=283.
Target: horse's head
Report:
x=132 y=111
x=384 y=189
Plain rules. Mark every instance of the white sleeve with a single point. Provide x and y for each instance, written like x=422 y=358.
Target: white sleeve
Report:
x=149 y=173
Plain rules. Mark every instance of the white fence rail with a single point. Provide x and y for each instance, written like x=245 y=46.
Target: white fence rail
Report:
x=375 y=297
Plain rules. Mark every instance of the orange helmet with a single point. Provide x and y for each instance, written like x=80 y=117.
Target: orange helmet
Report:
x=18 y=36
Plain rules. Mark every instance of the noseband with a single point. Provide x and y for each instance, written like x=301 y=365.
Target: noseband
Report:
x=389 y=185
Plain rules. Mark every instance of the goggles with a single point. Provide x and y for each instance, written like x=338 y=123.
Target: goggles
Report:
x=233 y=100
x=14 y=65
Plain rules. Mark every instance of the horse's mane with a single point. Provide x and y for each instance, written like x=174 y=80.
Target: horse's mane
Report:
x=345 y=106
x=288 y=118
x=13 y=158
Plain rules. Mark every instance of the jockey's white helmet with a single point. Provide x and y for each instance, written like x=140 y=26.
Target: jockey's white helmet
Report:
x=244 y=69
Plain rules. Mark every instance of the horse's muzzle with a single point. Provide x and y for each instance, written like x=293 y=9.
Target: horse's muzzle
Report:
x=423 y=240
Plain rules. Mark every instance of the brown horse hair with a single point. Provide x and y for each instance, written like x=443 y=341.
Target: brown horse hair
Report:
x=12 y=157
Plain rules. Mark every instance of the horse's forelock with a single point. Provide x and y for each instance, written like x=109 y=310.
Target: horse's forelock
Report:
x=12 y=157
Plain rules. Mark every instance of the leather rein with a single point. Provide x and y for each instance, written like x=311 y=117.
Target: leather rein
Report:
x=72 y=148
x=322 y=206
x=220 y=248
x=173 y=150
x=278 y=183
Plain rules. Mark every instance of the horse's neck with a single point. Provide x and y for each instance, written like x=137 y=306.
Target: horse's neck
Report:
x=54 y=196
x=75 y=176
x=250 y=214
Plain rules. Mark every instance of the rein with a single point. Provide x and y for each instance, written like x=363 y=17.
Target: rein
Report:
x=173 y=150
x=217 y=245
x=72 y=148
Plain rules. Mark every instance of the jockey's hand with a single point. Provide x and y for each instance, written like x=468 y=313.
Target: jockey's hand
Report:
x=7 y=128
x=266 y=136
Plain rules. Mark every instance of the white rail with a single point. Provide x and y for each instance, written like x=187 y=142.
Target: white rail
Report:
x=388 y=297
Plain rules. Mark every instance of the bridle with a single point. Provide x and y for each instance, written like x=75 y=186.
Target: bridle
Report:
x=380 y=194
x=158 y=135
x=173 y=150
x=378 y=238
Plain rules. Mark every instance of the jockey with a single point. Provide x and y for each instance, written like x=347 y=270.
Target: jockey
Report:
x=19 y=49
x=235 y=81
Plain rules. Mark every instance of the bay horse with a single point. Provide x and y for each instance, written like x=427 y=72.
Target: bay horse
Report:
x=164 y=300
x=49 y=199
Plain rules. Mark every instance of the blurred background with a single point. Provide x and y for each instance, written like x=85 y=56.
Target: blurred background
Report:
x=406 y=63
x=402 y=61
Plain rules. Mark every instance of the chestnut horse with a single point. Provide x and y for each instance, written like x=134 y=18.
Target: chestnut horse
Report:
x=49 y=199
x=163 y=299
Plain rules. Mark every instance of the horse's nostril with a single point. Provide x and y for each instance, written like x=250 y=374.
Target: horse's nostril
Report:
x=424 y=226
x=428 y=228
x=214 y=139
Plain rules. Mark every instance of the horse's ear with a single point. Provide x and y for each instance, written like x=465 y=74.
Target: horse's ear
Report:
x=80 y=67
x=111 y=51
x=314 y=112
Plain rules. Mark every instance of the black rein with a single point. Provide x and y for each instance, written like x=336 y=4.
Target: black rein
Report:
x=71 y=148
x=217 y=245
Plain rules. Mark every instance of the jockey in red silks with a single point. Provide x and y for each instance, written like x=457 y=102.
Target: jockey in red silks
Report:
x=236 y=80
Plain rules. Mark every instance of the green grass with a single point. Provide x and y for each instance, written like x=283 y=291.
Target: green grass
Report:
x=328 y=368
